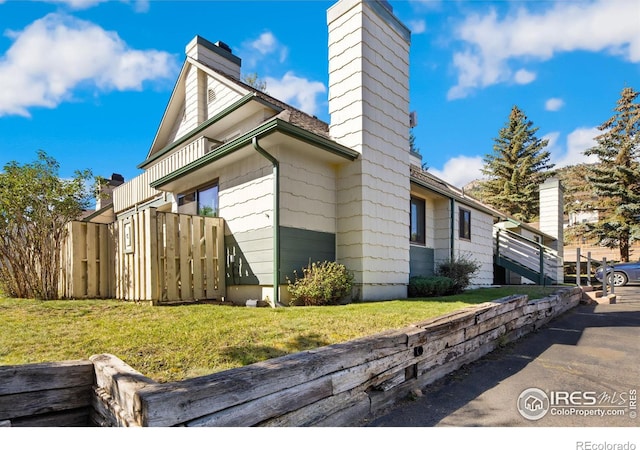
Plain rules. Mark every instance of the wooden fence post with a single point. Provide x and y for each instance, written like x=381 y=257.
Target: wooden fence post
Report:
x=151 y=251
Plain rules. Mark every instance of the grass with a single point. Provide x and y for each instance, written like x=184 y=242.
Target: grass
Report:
x=174 y=343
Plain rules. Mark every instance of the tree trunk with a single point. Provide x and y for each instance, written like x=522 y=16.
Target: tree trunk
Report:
x=624 y=247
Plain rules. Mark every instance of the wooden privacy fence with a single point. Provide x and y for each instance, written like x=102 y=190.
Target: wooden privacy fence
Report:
x=148 y=256
x=87 y=261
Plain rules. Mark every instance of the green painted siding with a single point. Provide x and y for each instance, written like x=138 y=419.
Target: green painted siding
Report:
x=421 y=261
x=253 y=254
x=298 y=246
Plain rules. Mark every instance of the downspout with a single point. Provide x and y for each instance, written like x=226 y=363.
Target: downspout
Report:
x=453 y=221
x=276 y=220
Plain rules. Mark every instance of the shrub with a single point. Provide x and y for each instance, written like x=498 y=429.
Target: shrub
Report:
x=429 y=286
x=460 y=270
x=322 y=283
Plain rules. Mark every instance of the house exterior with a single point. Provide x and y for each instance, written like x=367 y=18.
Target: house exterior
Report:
x=293 y=189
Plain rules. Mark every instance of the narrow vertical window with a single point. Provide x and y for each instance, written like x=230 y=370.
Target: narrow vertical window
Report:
x=465 y=224
x=417 y=220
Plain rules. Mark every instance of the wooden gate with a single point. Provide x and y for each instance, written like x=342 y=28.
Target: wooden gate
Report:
x=168 y=258
x=147 y=256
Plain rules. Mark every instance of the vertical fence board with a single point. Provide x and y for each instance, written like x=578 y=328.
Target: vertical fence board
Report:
x=78 y=271
x=162 y=256
x=138 y=262
x=209 y=237
x=92 y=263
x=171 y=278
x=186 y=291
x=103 y=261
x=114 y=241
x=221 y=284
x=198 y=280
x=151 y=250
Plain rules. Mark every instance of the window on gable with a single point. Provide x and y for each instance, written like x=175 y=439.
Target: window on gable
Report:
x=464 y=224
x=417 y=213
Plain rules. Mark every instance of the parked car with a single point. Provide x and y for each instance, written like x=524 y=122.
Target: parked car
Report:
x=620 y=274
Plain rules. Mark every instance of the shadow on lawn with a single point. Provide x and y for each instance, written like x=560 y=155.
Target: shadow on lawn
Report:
x=250 y=353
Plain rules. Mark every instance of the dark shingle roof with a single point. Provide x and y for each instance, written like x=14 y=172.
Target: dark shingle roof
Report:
x=296 y=117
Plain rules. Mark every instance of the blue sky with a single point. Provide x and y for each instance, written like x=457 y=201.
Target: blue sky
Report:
x=88 y=80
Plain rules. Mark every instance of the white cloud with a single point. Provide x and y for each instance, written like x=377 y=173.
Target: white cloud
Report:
x=138 y=5
x=77 y=4
x=299 y=92
x=417 y=26
x=572 y=151
x=523 y=76
x=460 y=170
x=490 y=43
x=57 y=54
x=554 y=104
x=265 y=45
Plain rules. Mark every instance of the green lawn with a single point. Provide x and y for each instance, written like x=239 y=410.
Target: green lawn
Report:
x=173 y=343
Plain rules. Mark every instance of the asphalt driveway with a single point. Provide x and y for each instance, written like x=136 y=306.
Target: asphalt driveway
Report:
x=584 y=366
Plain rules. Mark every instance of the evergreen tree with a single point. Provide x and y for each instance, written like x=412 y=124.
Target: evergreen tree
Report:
x=616 y=180
x=516 y=168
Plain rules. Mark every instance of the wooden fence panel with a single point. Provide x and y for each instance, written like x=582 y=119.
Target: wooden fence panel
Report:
x=146 y=256
x=191 y=257
x=86 y=265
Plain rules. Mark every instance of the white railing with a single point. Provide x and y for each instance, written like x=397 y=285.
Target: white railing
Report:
x=530 y=254
x=138 y=189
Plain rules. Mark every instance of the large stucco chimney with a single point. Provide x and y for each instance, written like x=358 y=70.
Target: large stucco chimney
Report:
x=552 y=215
x=369 y=109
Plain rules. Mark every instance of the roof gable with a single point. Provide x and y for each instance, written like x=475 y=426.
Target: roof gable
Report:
x=199 y=94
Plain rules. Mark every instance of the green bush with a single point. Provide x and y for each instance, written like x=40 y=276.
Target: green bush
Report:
x=322 y=283
x=460 y=270
x=429 y=286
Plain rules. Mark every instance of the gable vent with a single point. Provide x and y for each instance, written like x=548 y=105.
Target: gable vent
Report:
x=211 y=95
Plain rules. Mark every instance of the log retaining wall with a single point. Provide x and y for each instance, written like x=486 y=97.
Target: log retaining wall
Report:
x=48 y=394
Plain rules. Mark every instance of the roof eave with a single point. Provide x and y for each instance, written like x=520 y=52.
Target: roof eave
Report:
x=272 y=126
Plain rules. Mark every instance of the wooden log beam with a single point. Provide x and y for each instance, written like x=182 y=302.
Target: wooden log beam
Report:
x=174 y=403
x=40 y=402
x=17 y=379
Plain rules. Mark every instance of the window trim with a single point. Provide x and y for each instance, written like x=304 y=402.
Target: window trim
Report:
x=196 y=194
x=464 y=223
x=423 y=239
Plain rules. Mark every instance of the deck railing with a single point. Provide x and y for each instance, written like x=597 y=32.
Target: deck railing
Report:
x=537 y=260
x=138 y=189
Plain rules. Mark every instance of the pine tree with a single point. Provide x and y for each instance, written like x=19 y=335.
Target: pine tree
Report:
x=516 y=168
x=616 y=180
